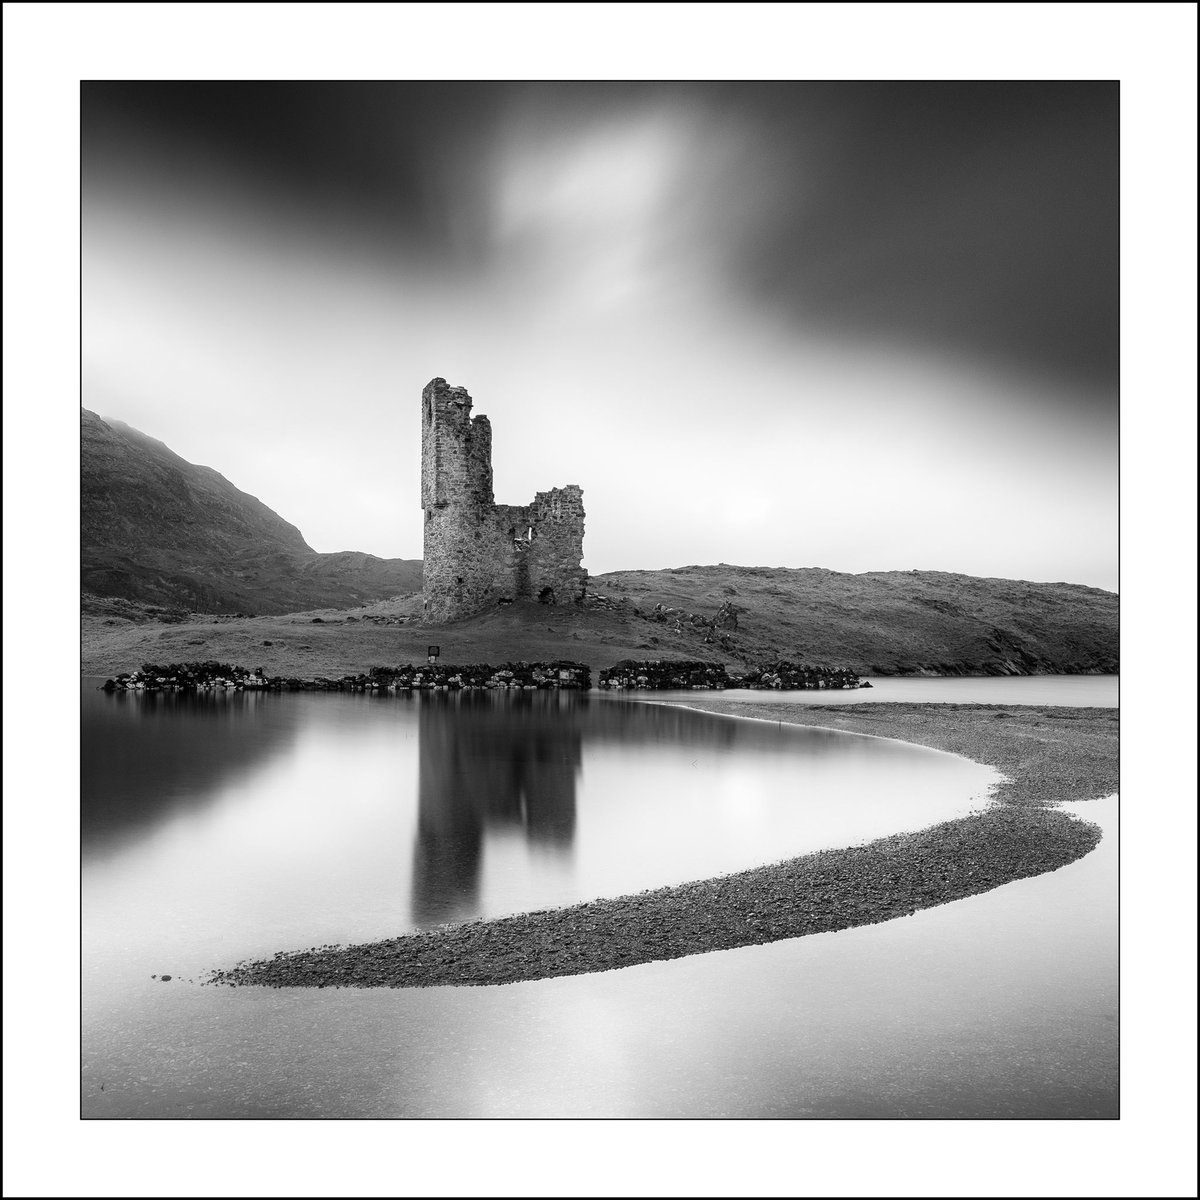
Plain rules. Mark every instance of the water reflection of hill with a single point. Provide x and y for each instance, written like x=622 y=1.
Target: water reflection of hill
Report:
x=146 y=756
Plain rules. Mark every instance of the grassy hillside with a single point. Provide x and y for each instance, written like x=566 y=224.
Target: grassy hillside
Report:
x=157 y=529
x=894 y=622
x=879 y=624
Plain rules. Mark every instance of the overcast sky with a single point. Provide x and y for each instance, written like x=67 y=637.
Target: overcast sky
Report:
x=846 y=325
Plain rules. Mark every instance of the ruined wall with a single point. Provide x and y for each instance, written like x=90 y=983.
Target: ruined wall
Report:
x=479 y=553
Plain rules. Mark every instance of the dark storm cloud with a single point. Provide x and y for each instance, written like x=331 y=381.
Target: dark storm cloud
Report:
x=975 y=217
x=887 y=275
x=379 y=161
x=982 y=216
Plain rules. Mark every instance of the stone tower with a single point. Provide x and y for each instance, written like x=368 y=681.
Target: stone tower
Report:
x=479 y=554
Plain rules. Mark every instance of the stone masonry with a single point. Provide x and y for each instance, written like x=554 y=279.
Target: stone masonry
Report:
x=479 y=554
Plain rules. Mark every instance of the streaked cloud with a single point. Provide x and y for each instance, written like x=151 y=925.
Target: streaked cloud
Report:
x=781 y=325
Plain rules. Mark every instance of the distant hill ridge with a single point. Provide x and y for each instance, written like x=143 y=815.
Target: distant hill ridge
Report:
x=157 y=529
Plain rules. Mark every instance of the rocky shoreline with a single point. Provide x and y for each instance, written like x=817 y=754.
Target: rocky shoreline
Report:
x=1047 y=754
x=215 y=676
x=675 y=674
x=656 y=674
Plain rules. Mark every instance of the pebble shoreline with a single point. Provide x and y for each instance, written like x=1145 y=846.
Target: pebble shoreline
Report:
x=1047 y=755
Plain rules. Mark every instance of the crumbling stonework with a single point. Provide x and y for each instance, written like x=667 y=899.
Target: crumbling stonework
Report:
x=478 y=553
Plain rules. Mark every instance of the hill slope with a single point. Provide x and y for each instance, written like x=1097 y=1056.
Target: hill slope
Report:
x=891 y=622
x=881 y=624
x=157 y=529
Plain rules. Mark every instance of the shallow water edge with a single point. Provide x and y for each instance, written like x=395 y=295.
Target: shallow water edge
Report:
x=1048 y=755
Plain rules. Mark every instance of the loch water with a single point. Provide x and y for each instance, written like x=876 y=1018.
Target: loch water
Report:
x=1082 y=691
x=222 y=826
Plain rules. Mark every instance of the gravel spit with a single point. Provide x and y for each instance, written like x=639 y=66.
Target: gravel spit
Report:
x=1047 y=755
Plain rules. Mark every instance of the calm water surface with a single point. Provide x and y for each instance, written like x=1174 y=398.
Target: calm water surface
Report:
x=242 y=824
x=1084 y=691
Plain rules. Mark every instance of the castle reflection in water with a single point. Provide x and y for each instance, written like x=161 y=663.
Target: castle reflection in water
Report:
x=493 y=762
x=506 y=766
x=489 y=761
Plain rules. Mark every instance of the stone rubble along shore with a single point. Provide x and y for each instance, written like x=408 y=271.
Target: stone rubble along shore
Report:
x=213 y=676
x=657 y=674
x=669 y=675
x=1047 y=754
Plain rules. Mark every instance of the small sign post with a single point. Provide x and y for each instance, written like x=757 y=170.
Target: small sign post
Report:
x=434 y=651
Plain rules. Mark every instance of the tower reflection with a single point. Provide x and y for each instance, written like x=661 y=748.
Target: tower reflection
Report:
x=489 y=760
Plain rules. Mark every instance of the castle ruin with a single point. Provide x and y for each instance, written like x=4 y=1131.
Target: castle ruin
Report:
x=478 y=553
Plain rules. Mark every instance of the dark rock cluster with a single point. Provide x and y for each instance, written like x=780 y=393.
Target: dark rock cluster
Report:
x=654 y=675
x=664 y=674
x=185 y=677
x=781 y=676
x=525 y=675
x=207 y=676
x=716 y=629
x=789 y=676
x=727 y=616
